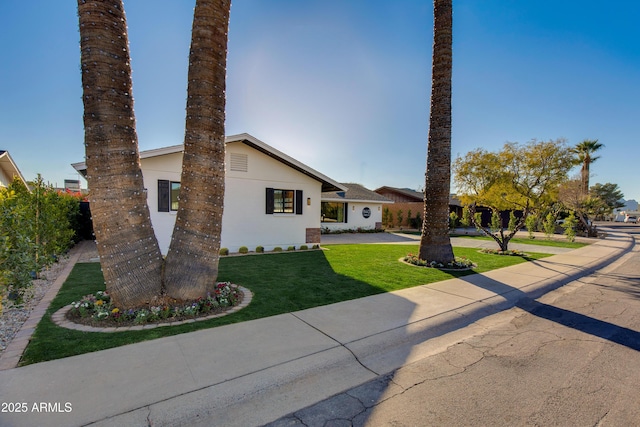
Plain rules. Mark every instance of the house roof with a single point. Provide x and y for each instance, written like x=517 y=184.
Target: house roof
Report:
x=416 y=195
x=327 y=183
x=9 y=167
x=407 y=192
x=354 y=193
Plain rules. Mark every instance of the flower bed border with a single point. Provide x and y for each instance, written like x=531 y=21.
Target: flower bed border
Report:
x=438 y=268
x=510 y=252
x=60 y=319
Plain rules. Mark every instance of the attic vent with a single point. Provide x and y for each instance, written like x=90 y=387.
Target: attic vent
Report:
x=239 y=162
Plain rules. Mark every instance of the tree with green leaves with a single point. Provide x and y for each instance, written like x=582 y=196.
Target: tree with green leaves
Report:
x=435 y=243
x=610 y=196
x=519 y=177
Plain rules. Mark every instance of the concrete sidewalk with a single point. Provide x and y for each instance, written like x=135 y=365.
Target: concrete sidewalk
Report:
x=251 y=373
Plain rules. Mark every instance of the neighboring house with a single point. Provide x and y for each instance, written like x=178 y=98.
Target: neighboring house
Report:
x=401 y=195
x=410 y=203
x=9 y=170
x=352 y=209
x=270 y=199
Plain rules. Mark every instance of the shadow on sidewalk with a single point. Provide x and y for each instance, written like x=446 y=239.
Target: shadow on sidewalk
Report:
x=357 y=404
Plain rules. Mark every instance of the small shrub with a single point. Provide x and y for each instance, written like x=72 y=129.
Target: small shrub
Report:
x=277 y=249
x=291 y=248
x=243 y=250
x=569 y=226
x=549 y=225
x=259 y=249
x=465 y=221
x=453 y=220
x=315 y=247
x=304 y=247
x=224 y=251
x=530 y=223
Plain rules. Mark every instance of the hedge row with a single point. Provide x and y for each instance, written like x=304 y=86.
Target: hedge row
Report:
x=36 y=226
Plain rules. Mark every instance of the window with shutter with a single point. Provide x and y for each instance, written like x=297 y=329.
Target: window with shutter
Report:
x=283 y=201
x=163 y=195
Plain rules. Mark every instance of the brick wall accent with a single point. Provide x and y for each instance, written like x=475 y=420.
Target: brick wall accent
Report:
x=415 y=207
x=312 y=235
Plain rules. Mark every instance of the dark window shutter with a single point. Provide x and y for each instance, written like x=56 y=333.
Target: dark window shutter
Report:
x=269 y=206
x=346 y=212
x=298 y=202
x=163 y=195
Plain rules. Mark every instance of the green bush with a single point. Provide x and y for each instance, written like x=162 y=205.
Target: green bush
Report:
x=453 y=220
x=224 y=251
x=531 y=224
x=315 y=247
x=277 y=249
x=569 y=226
x=549 y=225
x=304 y=247
x=291 y=248
x=243 y=250
x=35 y=228
x=259 y=249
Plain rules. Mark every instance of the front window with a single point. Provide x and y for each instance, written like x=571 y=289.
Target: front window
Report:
x=175 y=191
x=283 y=201
x=333 y=212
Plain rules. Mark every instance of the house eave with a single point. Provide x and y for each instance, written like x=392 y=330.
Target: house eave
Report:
x=327 y=183
x=338 y=199
x=9 y=166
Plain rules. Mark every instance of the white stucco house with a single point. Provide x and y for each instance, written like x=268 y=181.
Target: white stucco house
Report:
x=352 y=209
x=270 y=199
x=8 y=170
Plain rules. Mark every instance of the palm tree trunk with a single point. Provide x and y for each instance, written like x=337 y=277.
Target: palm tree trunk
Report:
x=192 y=261
x=129 y=253
x=584 y=173
x=435 y=244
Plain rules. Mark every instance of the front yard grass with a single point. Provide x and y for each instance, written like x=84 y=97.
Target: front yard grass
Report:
x=281 y=283
x=554 y=242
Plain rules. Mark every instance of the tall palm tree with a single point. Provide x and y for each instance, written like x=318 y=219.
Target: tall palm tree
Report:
x=584 y=156
x=129 y=252
x=192 y=261
x=435 y=244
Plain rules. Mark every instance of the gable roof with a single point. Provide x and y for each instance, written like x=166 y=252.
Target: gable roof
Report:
x=406 y=192
x=9 y=167
x=327 y=183
x=354 y=193
x=417 y=196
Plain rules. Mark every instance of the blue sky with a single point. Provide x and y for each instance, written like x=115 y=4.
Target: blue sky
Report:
x=343 y=85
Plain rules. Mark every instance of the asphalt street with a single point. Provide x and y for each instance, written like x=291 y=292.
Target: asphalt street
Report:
x=568 y=358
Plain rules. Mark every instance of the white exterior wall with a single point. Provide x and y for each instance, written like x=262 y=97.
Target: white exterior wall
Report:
x=355 y=219
x=167 y=167
x=244 y=221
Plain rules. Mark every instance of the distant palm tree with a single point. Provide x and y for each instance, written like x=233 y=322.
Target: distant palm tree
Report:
x=435 y=244
x=583 y=152
x=192 y=261
x=129 y=253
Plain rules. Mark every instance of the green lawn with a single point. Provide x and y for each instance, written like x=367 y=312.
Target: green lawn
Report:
x=281 y=283
x=539 y=242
